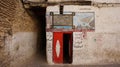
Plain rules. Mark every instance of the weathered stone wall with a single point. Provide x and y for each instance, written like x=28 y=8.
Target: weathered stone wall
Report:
x=7 y=10
x=18 y=34
x=24 y=39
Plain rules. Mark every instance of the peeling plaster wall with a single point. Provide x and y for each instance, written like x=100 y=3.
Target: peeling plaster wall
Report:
x=23 y=47
x=100 y=46
x=18 y=34
x=6 y=18
x=24 y=38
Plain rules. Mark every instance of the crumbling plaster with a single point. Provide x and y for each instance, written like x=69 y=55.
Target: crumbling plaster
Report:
x=18 y=34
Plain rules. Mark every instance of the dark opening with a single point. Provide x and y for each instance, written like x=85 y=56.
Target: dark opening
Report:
x=67 y=48
x=85 y=2
x=61 y=9
x=40 y=14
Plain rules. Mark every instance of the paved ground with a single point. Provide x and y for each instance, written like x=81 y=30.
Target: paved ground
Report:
x=74 y=66
x=38 y=61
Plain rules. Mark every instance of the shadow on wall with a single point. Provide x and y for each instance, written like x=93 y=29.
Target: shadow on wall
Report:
x=39 y=13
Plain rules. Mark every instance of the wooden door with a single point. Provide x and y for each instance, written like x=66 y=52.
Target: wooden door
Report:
x=58 y=47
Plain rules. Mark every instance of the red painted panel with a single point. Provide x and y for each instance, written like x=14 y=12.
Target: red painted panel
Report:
x=58 y=36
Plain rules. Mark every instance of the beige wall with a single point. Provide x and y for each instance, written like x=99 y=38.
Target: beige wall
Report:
x=6 y=18
x=24 y=38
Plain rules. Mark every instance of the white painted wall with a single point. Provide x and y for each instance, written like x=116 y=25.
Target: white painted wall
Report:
x=49 y=52
x=54 y=9
x=102 y=45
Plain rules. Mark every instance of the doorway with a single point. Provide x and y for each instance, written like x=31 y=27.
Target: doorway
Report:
x=67 y=48
x=62 y=47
